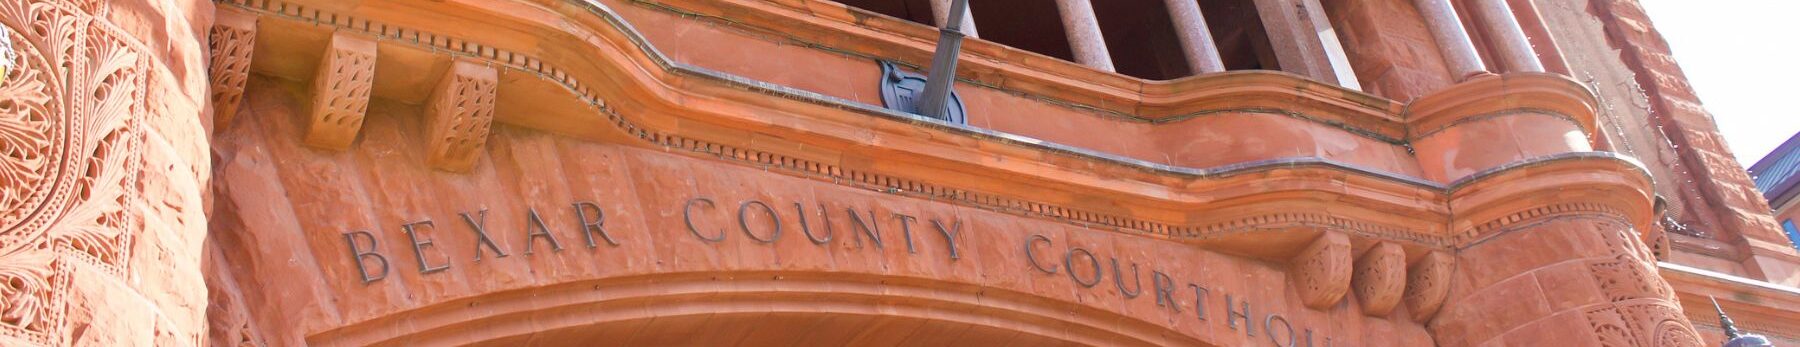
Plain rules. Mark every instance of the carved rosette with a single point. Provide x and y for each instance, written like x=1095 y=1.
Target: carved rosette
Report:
x=459 y=114
x=1428 y=284
x=341 y=92
x=69 y=159
x=1380 y=278
x=1321 y=272
x=231 y=39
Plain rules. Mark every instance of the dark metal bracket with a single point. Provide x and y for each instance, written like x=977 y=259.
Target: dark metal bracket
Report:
x=901 y=90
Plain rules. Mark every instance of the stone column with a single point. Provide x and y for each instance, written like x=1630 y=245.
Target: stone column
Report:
x=940 y=12
x=1304 y=41
x=1533 y=22
x=1196 y=38
x=1511 y=46
x=1083 y=30
x=1453 y=42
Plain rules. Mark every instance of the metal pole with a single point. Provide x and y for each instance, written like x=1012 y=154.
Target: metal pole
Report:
x=936 y=100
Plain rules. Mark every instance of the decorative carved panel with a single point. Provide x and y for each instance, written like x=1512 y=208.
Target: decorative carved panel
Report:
x=70 y=160
x=1321 y=272
x=1626 y=278
x=1642 y=308
x=458 y=115
x=1648 y=323
x=1631 y=273
x=341 y=91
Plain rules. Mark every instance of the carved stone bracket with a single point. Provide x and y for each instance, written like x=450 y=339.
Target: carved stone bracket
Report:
x=458 y=115
x=1428 y=284
x=1380 y=278
x=231 y=40
x=341 y=91
x=1321 y=272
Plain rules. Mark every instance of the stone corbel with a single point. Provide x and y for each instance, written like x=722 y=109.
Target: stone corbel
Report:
x=458 y=116
x=231 y=39
x=1380 y=278
x=1321 y=272
x=341 y=91
x=1428 y=284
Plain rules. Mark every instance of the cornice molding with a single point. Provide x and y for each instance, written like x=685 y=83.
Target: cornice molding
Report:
x=1766 y=314
x=1494 y=201
x=1502 y=95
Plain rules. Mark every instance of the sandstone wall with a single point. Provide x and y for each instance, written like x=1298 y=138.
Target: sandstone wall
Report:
x=1715 y=217
x=289 y=217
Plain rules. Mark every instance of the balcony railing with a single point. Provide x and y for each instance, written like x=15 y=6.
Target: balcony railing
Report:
x=1168 y=39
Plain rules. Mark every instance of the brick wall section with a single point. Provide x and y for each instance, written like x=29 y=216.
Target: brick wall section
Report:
x=1727 y=201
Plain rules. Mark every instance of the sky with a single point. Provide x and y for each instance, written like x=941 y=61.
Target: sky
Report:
x=1739 y=55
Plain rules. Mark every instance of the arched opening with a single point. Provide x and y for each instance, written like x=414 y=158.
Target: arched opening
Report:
x=755 y=309
x=780 y=329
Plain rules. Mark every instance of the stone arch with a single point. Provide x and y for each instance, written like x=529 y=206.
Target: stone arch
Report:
x=574 y=311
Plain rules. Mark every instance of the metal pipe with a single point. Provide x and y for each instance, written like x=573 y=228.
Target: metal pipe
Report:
x=935 y=102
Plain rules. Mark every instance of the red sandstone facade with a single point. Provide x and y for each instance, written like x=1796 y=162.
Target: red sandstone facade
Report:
x=722 y=172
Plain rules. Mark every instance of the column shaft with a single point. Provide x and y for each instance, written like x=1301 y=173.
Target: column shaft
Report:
x=1533 y=22
x=1196 y=38
x=1304 y=41
x=1511 y=46
x=1083 y=31
x=1452 y=41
